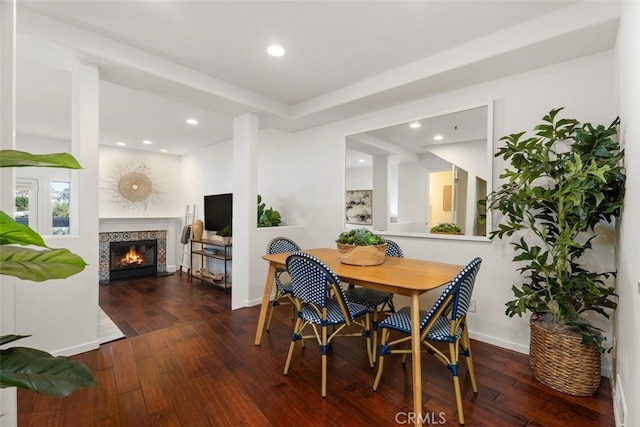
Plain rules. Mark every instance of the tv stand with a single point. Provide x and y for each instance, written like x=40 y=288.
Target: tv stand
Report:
x=210 y=249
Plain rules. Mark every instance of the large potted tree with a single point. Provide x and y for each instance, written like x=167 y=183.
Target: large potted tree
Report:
x=563 y=183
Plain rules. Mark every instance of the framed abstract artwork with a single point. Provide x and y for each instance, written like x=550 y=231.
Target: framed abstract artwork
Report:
x=359 y=207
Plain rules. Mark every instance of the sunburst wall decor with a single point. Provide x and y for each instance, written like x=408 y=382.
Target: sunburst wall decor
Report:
x=132 y=185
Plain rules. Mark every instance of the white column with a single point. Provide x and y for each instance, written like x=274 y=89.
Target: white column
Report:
x=380 y=192
x=8 y=396
x=245 y=173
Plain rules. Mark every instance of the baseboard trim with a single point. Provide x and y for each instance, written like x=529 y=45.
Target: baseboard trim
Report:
x=82 y=348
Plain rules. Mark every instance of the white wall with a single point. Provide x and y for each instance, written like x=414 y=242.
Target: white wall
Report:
x=519 y=101
x=163 y=171
x=627 y=369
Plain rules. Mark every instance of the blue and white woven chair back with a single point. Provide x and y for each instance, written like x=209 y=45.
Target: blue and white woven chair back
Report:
x=282 y=244
x=438 y=306
x=394 y=249
x=313 y=281
x=467 y=279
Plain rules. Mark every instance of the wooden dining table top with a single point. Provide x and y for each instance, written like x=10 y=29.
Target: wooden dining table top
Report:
x=403 y=276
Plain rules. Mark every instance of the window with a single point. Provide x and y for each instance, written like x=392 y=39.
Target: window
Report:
x=26 y=203
x=60 y=207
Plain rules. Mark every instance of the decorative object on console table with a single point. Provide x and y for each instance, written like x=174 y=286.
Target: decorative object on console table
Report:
x=361 y=247
x=222 y=236
x=196 y=229
x=563 y=185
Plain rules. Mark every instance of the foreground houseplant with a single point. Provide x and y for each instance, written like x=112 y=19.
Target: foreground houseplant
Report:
x=24 y=367
x=562 y=183
x=361 y=247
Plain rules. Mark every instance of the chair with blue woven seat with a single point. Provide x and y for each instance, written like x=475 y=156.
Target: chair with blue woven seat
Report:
x=283 y=286
x=445 y=322
x=322 y=304
x=376 y=300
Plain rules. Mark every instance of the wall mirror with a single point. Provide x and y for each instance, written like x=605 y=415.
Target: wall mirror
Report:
x=421 y=173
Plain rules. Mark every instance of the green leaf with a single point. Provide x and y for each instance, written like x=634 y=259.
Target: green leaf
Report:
x=6 y=339
x=13 y=158
x=41 y=372
x=31 y=264
x=13 y=233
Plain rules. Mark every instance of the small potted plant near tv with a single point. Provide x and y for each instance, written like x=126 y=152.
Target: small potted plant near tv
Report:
x=563 y=183
x=24 y=367
x=446 y=228
x=223 y=235
x=361 y=247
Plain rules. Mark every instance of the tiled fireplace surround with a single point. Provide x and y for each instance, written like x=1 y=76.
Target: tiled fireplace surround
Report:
x=130 y=236
x=164 y=230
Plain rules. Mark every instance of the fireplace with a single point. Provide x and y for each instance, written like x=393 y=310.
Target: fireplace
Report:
x=132 y=259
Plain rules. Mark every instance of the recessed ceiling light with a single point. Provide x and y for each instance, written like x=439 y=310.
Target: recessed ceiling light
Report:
x=164 y=150
x=361 y=161
x=275 y=50
x=192 y=121
x=438 y=138
x=415 y=125
x=146 y=141
x=120 y=143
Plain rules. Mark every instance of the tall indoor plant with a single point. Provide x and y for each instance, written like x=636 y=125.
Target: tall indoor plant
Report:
x=562 y=182
x=25 y=367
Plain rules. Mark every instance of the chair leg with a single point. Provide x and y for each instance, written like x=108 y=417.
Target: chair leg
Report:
x=324 y=361
x=466 y=343
x=374 y=333
x=456 y=380
x=276 y=298
x=383 y=341
x=370 y=351
x=292 y=346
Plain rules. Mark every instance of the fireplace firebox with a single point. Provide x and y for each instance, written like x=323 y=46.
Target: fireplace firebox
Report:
x=133 y=259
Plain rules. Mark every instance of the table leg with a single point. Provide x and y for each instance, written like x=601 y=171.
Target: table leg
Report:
x=265 y=303
x=415 y=358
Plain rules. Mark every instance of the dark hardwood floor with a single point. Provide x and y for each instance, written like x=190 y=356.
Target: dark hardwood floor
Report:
x=188 y=360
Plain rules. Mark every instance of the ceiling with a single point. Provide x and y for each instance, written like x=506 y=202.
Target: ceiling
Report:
x=161 y=62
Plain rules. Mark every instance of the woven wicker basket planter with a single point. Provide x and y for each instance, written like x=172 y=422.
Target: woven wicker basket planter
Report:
x=362 y=255
x=562 y=363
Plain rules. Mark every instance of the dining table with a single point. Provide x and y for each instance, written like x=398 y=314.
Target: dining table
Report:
x=402 y=276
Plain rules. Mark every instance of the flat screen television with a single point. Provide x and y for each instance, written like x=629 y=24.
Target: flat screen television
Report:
x=218 y=211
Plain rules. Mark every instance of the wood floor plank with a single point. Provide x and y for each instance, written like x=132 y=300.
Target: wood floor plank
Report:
x=188 y=360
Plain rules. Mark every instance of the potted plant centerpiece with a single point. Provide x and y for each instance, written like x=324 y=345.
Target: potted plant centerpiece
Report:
x=361 y=247
x=563 y=184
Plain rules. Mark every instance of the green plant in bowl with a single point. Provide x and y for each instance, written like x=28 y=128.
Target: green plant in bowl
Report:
x=446 y=227
x=360 y=237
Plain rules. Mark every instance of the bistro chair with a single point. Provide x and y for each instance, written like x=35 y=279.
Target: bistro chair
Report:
x=322 y=304
x=283 y=284
x=445 y=322
x=373 y=299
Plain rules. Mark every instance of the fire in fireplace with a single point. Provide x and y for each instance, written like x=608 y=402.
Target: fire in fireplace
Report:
x=132 y=259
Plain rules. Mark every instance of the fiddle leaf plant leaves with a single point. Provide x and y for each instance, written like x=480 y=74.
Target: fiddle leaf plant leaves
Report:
x=38 y=266
x=13 y=233
x=39 y=371
x=14 y=158
x=24 y=367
